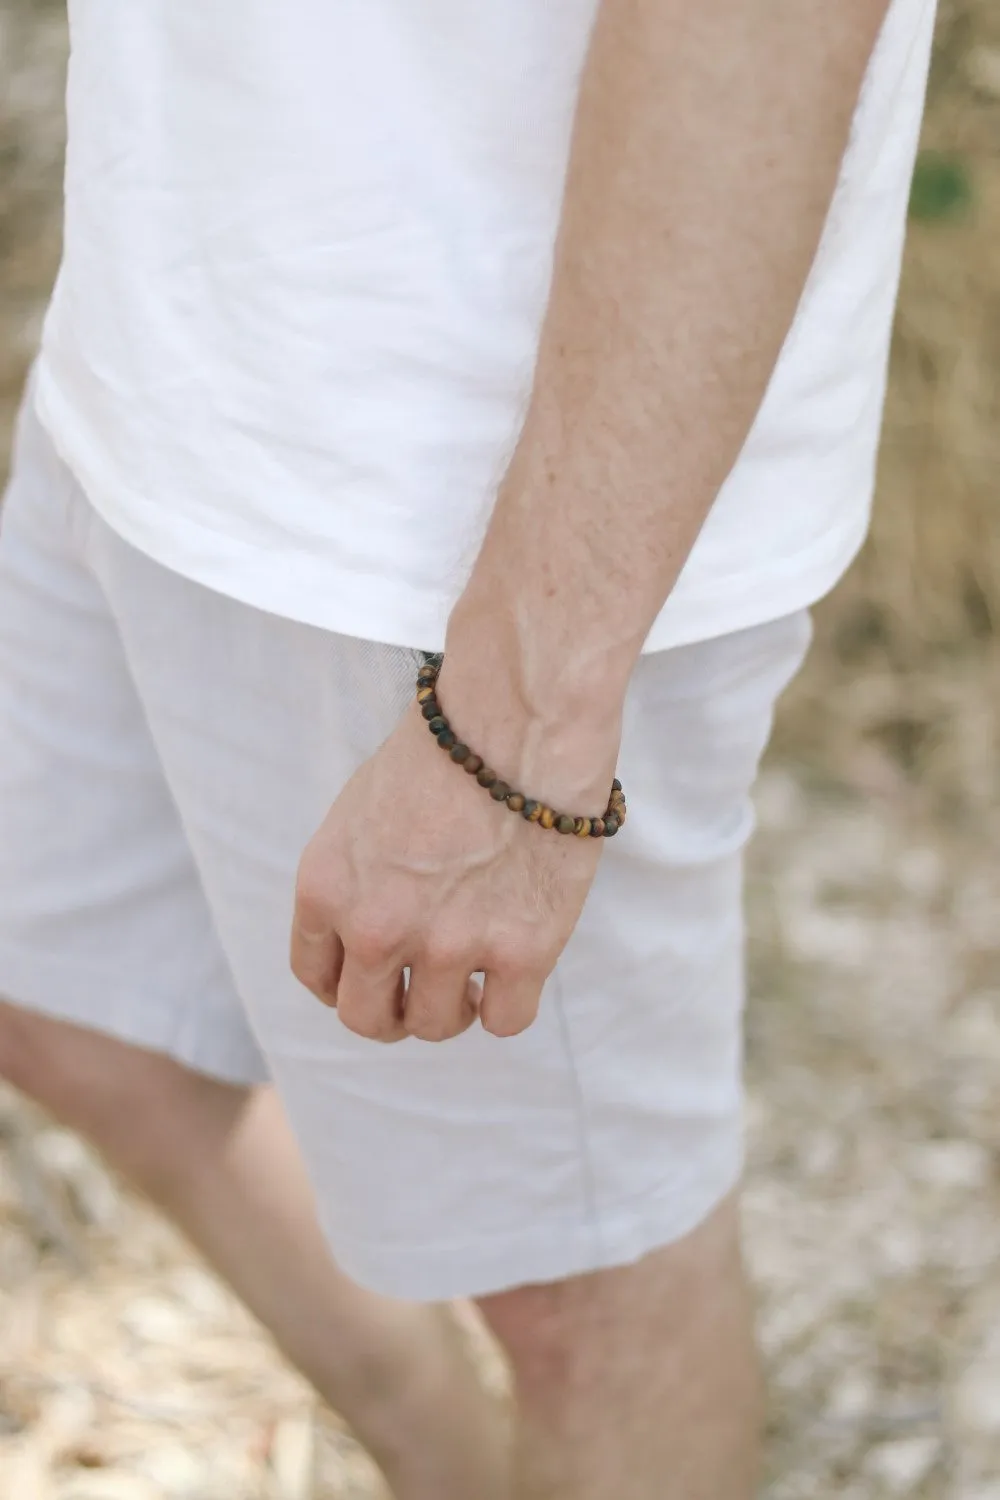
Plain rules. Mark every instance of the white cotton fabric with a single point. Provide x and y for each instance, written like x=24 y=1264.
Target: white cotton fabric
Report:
x=307 y=251
x=167 y=752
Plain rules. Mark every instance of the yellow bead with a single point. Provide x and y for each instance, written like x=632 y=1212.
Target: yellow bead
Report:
x=582 y=829
x=547 y=817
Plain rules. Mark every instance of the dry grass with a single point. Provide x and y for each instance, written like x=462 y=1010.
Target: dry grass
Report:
x=905 y=674
x=930 y=575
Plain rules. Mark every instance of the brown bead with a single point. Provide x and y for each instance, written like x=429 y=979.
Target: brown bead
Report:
x=438 y=724
x=460 y=753
x=426 y=679
x=582 y=829
x=616 y=785
x=473 y=763
x=547 y=817
x=596 y=828
x=430 y=708
x=423 y=693
x=446 y=739
x=499 y=791
x=485 y=776
x=611 y=826
x=531 y=811
x=516 y=801
x=565 y=824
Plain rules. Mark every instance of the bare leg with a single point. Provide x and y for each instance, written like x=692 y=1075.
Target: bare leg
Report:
x=639 y=1383
x=221 y=1162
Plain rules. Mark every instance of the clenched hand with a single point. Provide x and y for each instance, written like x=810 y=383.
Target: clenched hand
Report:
x=417 y=872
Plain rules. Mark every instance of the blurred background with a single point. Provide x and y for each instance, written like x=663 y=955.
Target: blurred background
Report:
x=873 y=1206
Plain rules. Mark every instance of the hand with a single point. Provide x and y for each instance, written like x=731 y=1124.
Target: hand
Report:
x=416 y=868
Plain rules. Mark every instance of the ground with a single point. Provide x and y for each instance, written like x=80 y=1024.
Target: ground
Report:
x=873 y=1210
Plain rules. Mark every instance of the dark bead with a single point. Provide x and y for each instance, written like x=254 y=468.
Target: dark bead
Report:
x=474 y=764
x=531 y=811
x=427 y=674
x=566 y=824
x=424 y=693
x=430 y=708
x=460 y=753
x=611 y=826
x=516 y=801
x=616 y=785
x=597 y=828
x=446 y=739
x=499 y=791
x=485 y=776
x=438 y=725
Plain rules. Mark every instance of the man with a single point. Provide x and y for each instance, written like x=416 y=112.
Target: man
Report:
x=552 y=337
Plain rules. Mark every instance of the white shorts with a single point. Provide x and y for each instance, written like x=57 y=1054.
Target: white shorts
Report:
x=167 y=752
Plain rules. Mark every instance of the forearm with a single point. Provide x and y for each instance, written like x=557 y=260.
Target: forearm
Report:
x=706 y=149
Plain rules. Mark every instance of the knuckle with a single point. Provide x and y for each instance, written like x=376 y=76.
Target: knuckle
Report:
x=500 y=1024
x=313 y=906
x=369 y=938
x=306 y=966
x=505 y=1023
x=430 y=1028
x=520 y=959
x=447 y=951
x=372 y=1028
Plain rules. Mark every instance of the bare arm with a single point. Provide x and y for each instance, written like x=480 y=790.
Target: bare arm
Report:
x=707 y=144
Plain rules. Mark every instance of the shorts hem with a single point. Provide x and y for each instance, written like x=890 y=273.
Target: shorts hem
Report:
x=623 y=1235
x=51 y=987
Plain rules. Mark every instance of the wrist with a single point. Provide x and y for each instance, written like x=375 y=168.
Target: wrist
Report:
x=551 y=722
x=549 y=663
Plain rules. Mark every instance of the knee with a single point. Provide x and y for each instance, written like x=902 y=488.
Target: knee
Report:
x=538 y=1329
x=565 y=1337
x=124 y=1100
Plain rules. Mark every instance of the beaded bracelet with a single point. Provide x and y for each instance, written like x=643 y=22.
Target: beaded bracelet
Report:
x=474 y=765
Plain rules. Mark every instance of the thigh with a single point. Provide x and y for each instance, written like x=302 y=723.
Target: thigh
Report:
x=102 y=917
x=612 y=1125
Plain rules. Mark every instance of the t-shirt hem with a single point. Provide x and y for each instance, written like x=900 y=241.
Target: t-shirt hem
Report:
x=367 y=607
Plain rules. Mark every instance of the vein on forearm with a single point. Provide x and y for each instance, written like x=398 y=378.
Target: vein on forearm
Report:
x=705 y=153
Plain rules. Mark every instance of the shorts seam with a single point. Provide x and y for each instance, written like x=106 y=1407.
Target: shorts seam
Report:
x=585 y=1150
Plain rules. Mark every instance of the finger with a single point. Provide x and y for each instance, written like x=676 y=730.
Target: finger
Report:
x=510 y=1003
x=370 y=1001
x=440 y=1003
x=316 y=959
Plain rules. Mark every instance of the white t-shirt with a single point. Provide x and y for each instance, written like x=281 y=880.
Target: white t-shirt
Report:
x=307 y=251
